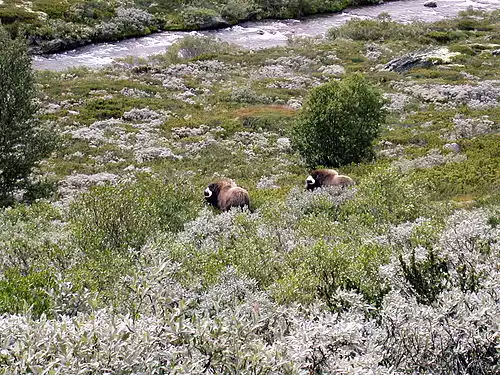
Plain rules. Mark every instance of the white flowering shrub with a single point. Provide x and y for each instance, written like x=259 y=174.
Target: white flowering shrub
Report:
x=432 y=159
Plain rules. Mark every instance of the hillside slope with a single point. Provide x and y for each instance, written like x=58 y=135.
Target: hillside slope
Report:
x=123 y=270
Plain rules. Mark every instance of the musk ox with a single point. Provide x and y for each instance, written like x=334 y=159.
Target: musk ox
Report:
x=224 y=194
x=327 y=177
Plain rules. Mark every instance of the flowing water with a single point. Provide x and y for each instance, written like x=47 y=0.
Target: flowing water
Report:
x=259 y=34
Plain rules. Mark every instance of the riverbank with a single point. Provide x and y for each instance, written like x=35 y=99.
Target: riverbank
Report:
x=254 y=35
x=54 y=26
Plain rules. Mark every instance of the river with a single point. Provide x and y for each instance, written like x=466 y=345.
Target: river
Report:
x=259 y=34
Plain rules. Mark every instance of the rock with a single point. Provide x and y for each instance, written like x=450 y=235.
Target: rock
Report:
x=420 y=59
x=51 y=108
x=332 y=69
x=430 y=4
x=405 y=63
x=496 y=52
x=455 y=147
x=294 y=103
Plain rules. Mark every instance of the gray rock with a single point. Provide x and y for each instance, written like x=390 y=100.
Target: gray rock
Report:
x=419 y=59
x=207 y=23
x=430 y=4
x=405 y=63
x=455 y=147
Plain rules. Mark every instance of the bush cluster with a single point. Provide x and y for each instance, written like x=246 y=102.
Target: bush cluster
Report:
x=73 y=23
x=165 y=318
x=339 y=123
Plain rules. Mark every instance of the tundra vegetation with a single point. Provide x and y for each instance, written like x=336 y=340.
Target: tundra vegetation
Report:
x=122 y=269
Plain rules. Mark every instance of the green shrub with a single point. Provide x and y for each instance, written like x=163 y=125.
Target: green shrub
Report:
x=121 y=218
x=236 y=10
x=191 y=47
x=90 y=10
x=349 y=267
x=339 y=123
x=23 y=142
x=199 y=18
x=19 y=292
x=53 y=9
x=426 y=276
x=386 y=197
x=32 y=237
x=296 y=8
x=10 y=14
x=444 y=37
x=381 y=28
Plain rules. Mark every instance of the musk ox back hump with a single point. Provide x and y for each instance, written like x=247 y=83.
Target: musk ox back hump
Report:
x=233 y=197
x=342 y=180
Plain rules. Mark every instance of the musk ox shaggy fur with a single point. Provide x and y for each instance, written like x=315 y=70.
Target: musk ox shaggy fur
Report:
x=327 y=177
x=225 y=194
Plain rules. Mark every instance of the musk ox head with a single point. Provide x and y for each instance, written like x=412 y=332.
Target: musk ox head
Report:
x=225 y=194
x=320 y=178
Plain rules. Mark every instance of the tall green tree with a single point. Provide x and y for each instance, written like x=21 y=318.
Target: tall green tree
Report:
x=23 y=142
x=339 y=122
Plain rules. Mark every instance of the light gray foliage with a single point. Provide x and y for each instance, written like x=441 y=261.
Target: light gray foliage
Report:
x=233 y=326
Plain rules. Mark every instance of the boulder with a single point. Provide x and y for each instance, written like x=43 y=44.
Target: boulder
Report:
x=419 y=59
x=455 y=147
x=430 y=4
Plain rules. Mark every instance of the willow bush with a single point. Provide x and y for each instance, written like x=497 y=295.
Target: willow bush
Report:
x=339 y=122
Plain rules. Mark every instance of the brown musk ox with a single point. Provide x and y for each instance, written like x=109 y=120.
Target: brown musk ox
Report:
x=327 y=177
x=225 y=194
